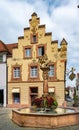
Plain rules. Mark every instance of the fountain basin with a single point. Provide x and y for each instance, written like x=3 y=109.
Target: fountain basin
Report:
x=60 y=117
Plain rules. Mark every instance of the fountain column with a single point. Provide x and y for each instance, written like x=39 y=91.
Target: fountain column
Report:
x=45 y=68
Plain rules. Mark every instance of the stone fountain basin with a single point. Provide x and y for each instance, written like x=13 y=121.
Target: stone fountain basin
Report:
x=61 y=117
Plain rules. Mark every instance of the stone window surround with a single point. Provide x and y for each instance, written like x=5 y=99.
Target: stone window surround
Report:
x=53 y=77
x=19 y=93
x=41 y=45
x=16 y=79
x=31 y=36
x=33 y=78
x=24 y=48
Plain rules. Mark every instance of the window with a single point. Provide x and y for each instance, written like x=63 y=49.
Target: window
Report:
x=16 y=97
x=33 y=71
x=1 y=58
x=28 y=52
x=16 y=72
x=51 y=72
x=40 y=51
x=34 y=38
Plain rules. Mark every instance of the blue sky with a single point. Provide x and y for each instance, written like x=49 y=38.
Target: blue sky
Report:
x=60 y=16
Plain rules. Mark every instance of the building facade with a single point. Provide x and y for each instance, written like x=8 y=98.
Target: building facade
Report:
x=25 y=81
x=3 y=74
x=77 y=85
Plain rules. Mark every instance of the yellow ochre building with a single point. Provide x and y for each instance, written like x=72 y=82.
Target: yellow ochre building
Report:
x=25 y=81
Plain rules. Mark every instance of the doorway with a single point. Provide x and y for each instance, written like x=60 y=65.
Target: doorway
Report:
x=1 y=98
x=33 y=93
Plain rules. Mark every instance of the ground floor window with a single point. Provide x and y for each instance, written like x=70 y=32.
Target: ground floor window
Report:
x=16 y=97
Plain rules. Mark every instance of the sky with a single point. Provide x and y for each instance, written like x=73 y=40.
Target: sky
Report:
x=61 y=17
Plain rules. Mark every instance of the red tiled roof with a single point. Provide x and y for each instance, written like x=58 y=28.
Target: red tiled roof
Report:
x=11 y=46
x=3 y=47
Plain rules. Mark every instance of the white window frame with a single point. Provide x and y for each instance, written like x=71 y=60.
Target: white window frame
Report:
x=16 y=72
x=28 y=52
x=51 y=72
x=33 y=71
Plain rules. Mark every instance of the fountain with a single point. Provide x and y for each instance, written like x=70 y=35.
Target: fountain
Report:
x=45 y=117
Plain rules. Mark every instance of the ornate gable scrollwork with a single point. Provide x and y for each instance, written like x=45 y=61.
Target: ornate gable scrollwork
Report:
x=63 y=51
x=34 y=23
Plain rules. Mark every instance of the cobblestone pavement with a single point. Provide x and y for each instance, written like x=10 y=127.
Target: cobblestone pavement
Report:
x=7 y=124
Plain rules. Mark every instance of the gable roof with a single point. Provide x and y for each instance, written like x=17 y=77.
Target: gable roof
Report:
x=3 y=47
x=11 y=46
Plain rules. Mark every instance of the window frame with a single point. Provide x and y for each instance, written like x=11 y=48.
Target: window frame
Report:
x=40 y=46
x=54 y=77
x=31 y=78
x=24 y=55
x=12 y=73
x=33 y=71
x=16 y=72
x=51 y=71
x=32 y=38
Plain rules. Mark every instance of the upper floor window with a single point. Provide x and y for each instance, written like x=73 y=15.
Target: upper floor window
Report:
x=1 y=58
x=33 y=38
x=28 y=52
x=41 y=51
x=16 y=72
x=51 y=72
x=33 y=71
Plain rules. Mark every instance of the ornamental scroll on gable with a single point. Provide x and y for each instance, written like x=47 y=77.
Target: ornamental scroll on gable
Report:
x=63 y=51
x=34 y=23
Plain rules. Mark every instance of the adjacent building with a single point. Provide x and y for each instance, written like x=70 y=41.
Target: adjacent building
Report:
x=77 y=85
x=5 y=52
x=25 y=81
x=3 y=73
